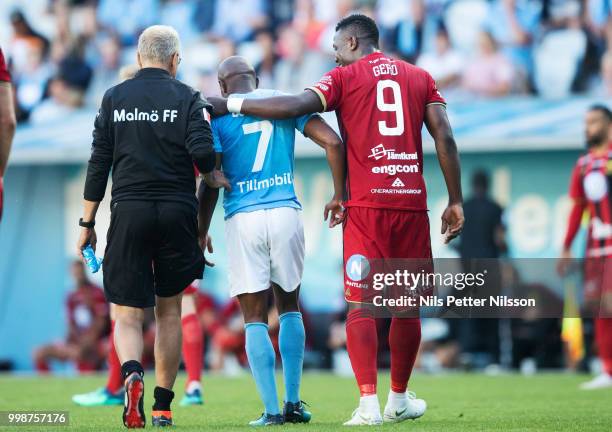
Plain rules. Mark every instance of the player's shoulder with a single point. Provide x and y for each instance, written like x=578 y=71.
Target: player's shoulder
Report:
x=264 y=93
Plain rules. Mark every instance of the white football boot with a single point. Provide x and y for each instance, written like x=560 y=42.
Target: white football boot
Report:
x=599 y=382
x=368 y=413
x=403 y=406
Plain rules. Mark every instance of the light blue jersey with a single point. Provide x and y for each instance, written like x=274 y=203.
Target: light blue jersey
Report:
x=257 y=159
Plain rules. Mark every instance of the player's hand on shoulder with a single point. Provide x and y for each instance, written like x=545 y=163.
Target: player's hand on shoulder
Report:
x=219 y=105
x=452 y=222
x=216 y=179
x=334 y=210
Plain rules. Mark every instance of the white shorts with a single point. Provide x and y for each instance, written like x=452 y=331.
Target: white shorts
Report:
x=265 y=246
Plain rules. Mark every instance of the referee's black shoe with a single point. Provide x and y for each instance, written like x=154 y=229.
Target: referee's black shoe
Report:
x=161 y=418
x=133 y=411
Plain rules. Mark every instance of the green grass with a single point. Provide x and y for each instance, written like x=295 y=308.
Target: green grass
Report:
x=549 y=402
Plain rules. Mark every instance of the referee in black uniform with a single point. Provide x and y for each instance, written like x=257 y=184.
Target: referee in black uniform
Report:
x=150 y=130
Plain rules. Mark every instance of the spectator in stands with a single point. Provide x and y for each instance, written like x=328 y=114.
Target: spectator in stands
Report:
x=32 y=80
x=513 y=24
x=606 y=74
x=444 y=63
x=128 y=18
x=88 y=326
x=606 y=63
x=407 y=38
x=489 y=73
x=306 y=22
x=180 y=14
x=297 y=65
x=238 y=20
x=25 y=39
x=266 y=65
x=108 y=52
x=67 y=91
x=561 y=14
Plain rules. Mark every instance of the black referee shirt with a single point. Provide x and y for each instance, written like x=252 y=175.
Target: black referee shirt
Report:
x=151 y=130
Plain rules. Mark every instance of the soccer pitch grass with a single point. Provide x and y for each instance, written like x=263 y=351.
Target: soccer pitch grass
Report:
x=457 y=402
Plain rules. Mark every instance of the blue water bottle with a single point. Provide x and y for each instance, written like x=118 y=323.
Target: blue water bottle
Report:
x=93 y=262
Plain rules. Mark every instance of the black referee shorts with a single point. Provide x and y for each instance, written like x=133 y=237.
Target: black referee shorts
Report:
x=152 y=249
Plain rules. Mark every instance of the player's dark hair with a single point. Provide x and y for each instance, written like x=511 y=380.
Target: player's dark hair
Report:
x=602 y=109
x=362 y=27
x=480 y=181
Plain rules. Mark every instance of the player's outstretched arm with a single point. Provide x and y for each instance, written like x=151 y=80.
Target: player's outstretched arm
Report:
x=438 y=126
x=321 y=133
x=277 y=107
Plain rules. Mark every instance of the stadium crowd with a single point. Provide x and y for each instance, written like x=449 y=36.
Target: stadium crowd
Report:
x=63 y=54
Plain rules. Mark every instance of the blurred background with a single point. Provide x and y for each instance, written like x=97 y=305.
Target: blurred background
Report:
x=518 y=76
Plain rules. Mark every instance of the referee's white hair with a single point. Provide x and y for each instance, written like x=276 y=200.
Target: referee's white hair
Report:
x=158 y=44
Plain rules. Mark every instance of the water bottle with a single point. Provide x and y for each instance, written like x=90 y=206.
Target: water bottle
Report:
x=93 y=262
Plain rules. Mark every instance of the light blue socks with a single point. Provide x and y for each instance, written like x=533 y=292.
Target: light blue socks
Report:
x=291 y=343
x=260 y=353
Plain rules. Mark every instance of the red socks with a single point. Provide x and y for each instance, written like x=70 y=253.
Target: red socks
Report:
x=362 y=346
x=193 y=347
x=404 y=341
x=115 y=380
x=603 y=338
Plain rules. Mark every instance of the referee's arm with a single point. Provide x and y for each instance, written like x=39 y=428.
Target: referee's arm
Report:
x=98 y=169
x=199 y=139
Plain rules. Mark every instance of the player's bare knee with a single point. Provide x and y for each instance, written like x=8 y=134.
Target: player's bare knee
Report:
x=255 y=312
x=168 y=308
x=286 y=301
x=254 y=306
x=126 y=315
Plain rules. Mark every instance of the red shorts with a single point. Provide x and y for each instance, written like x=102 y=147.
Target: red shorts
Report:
x=371 y=235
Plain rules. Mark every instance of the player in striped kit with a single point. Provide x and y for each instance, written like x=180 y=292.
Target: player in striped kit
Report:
x=590 y=190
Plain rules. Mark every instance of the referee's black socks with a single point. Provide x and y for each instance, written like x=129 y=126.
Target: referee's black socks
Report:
x=130 y=367
x=163 y=399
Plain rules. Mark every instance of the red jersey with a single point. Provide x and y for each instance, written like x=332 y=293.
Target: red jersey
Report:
x=380 y=104
x=4 y=74
x=85 y=305
x=591 y=182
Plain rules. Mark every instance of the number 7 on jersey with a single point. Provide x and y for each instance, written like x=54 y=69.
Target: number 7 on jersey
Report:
x=266 y=128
